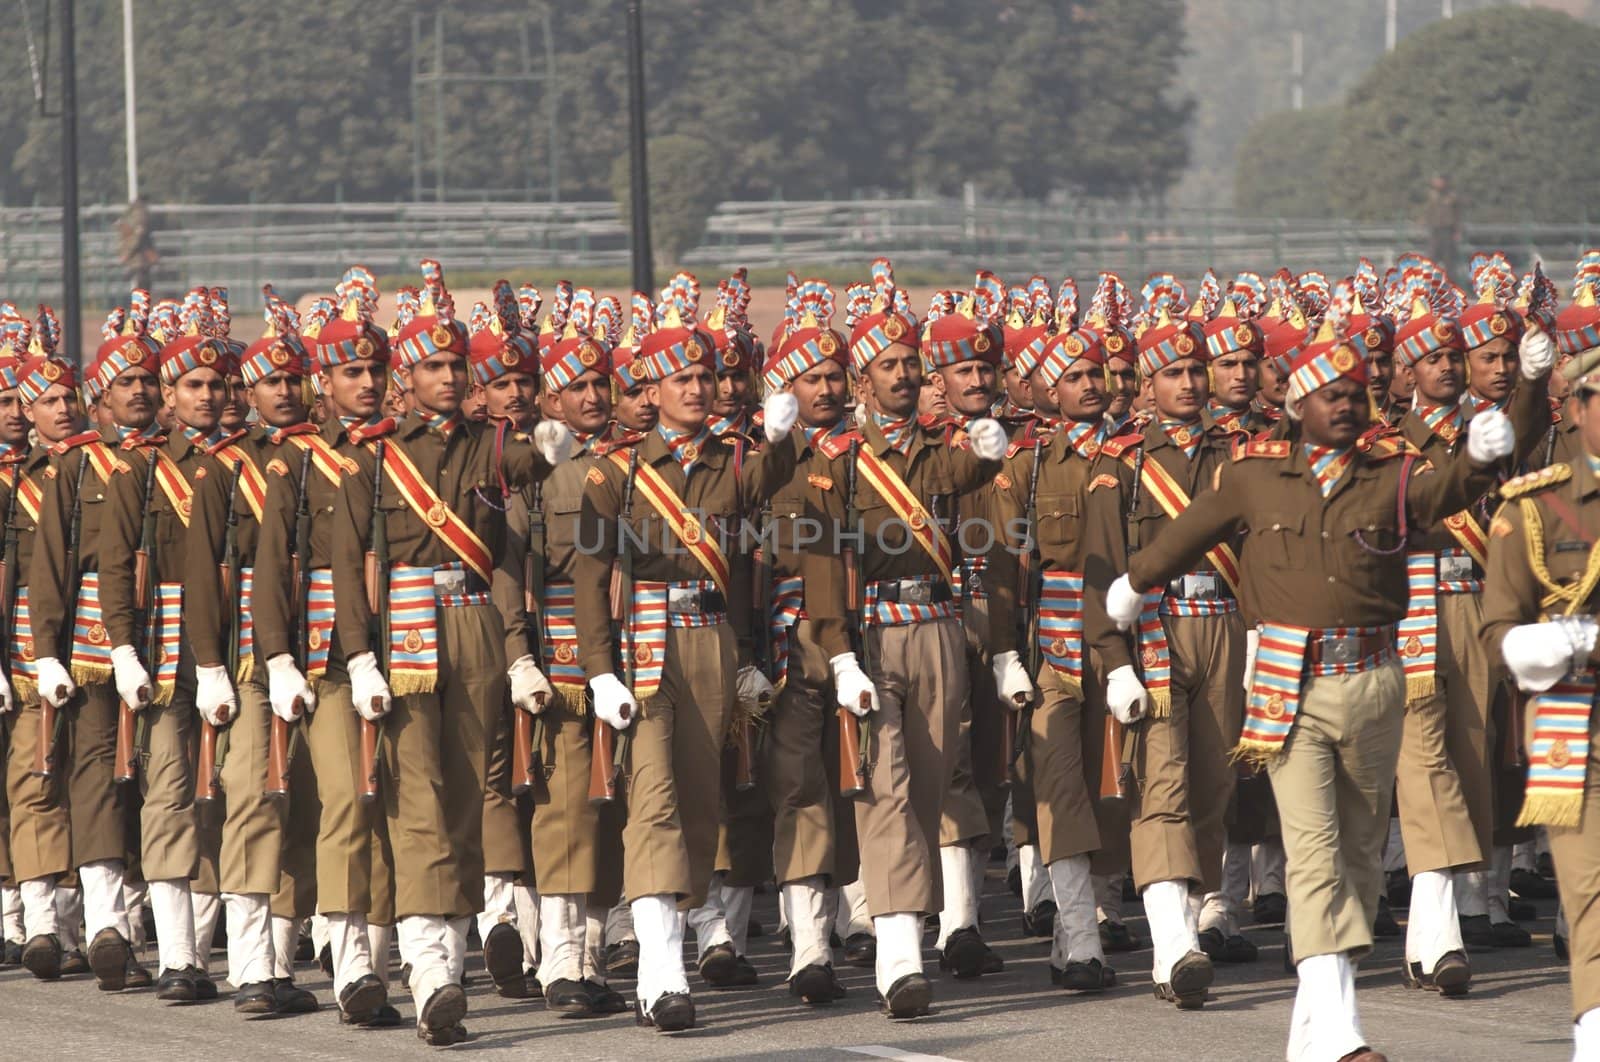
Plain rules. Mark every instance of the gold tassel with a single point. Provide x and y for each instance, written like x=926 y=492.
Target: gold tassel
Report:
x=411 y=683
x=1160 y=703
x=1552 y=809
x=25 y=690
x=164 y=693
x=572 y=697
x=1258 y=754
x=247 y=670
x=1420 y=688
x=1073 y=688
x=90 y=674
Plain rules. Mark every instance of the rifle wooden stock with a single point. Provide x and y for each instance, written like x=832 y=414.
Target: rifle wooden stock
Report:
x=44 y=750
x=205 y=772
x=278 y=757
x=852 y=771
x=524 y=768
x=127 y=765
x=369 y=572
x=602 y=763
x=744 y=756
x=369 y=761
x=1111 y=785
x=1011 y=720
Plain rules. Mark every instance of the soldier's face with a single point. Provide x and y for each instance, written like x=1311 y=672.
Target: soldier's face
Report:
x=893 y=380
x=1439 y=377
x=356 y=388
x=1017 y=388
x=1585 y=405
x=733 y=394
x=1124 y=385
x=1335 y=415
x=1492 y=368
x=1274 y=385
x=476 y=405
x=1181 y=389
x=636 y=411
x=133 y=397
x=55 y=414
x=1081 y=391
x=969 y=387
x=684 y=398
x=820 y=392
x=1403 y=382
x=1043 y=397
x=278 y=399
x=1380 y=373
x=197 y=398
x=511 y=398
x=439 y=382
x=585 y=403
x=1235 y=378
x=13 y=425
x=1560 y=386
x=235 y=404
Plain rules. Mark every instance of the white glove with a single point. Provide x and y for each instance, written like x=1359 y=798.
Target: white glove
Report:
x=133 y=681
x=6 y=703
x=1489 y=437
x=1123 y=604
x=778 y=414
x=55 y=684
x=554 y=441
x=1252 y=648
x=287 y=690
x=613 y=703
x=214 y=698
x=1011 y=679
x=1538 y=655
x=751 y=687
x=1126 y=696
x=988 y=439
x=851 y=685
x=530 y=690
x=368 y=688
x=1536 y=354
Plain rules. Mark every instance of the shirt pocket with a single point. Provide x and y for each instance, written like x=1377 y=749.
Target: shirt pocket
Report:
x=1058 y=516
x=1279 y=538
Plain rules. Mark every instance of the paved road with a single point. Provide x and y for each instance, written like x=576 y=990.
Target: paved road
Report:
x=1518 y=1011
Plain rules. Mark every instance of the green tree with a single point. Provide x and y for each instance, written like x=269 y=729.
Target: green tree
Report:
x=1282 y=167
x=685 y=186
x=1500 y=101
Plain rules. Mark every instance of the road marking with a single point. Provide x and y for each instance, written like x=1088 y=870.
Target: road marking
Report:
x=881 y=1051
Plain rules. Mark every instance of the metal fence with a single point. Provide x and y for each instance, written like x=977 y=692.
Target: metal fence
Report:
x=304 y=247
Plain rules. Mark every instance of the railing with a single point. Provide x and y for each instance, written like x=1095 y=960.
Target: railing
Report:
x=304 y=247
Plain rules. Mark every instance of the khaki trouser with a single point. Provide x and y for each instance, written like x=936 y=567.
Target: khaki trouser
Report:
x=744 y=841
x=435 y=748
x=979 y=780
x=1577 y=856
x=502 y=825
x=296 y=894
x=1333 y=784
x=1442 y=785
x=608 y=861
x=813 y=828
x=1112 y=814
x=41 y=841
x=920 y=670
x=169 y=828
x=1057 y=772
x=1182 y=760
x=355 y=863
x=97 y=805
x=253 y=832
x=566 y=827
x=670 y=837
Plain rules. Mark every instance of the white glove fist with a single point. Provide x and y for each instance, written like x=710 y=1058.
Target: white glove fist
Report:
x=368 y=688
x=1126 y=696
x=851 y=687
x=752 y=687
x=1123 y=603
x=287 y=690
x=1011 y=679
x=55 y=683
x=6 y=702
x=1252 y=649
x=988 y=439
x=530 y=690
x=554 y=441
x=132 y=680
x=778 y=414
x=1539 y=655
x=214 y=698
x=1536 y=354
x=613 y=702
x=1490 y=437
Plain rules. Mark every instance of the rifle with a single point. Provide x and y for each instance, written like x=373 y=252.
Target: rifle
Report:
x=376 y=573
x=44 y=764
x=747 y=737
x=1116 y=770
x=1029 y=585
x=213 y=743
x=527 y=730
x=129 y=738
x=607 y=753
x=300 y=584
x=855 y=732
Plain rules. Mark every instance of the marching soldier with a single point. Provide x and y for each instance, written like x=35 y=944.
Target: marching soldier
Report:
x=677 y=597
x=1321 y=562
x=903 y=667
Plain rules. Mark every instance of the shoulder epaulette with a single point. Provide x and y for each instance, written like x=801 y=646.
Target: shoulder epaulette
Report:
x=1548 y=476
x=1257 y=446
x=361 y=433
x=1385 y=446
x=1122 y=444
x=937 y=420
x=83 y=438
x=838 y=445
x=619 y=442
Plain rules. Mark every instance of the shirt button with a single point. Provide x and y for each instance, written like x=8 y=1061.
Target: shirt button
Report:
x=1372 y=527
x=1331 y=579
x=1277 y=527
x=1326 y=535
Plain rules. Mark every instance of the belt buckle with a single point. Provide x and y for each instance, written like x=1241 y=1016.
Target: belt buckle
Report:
x=974 y=583
x=1455 y=568
x=1201 y=586
x=916 y=593
x=1341 y=649
x=683 y=600
x=450 y=582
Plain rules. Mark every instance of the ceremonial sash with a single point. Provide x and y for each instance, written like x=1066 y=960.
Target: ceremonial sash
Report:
x=1418 y=635
x=788 y=608
x=1558 y=755
x=1281 y=670
x=90 y=662
x=174 y=485
x=1174 y=500
x=969 y=579
x=319 y=622
x=887 y=482
x=252 y=484
x=559 y=616
x=445 y=522
x=24 y=670
x=413 y=631
x=1061 y=626
x=101 y=459
x=246 y=627
x=881 y=613
x=665 y=501
x=167 y=615
x=1155 y=660
x=1465 y=529
x=30 y=496
x=647 y=636
x=324 y=457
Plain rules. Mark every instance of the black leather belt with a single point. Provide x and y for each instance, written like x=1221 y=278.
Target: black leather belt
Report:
x=695 y=602
x=913 y=591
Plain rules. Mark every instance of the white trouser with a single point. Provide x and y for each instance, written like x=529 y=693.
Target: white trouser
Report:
x=349 y=948
x=805 y=900
x=1267 y=863
x=1325 y=1026
x=660 y=930
x=1499 y=885
x=425 y=943
x=527 y=903
x=285 y=942
x=11 y=913
x=1432 y=927
x=249 y=937
x=1586 y=1036
x=1174 y=926
x=594 y=945
x=1394 y=849
x=1220 y=909
x=960 y=909
x=69 y=918
x=1077 y=932
x=1108 y=897
x=39 y=908
x=379 y=939
x=619 y=923
x=561 y=933
x=103 y=904
x=1525 y=856
x=499 y=903
x=709 y=922
x=853 y=917
x=207 y=909
x=1035 y=881
x=899 y=948
x=174 y=914
x=736 y=903
x=1472 y=893
x=319 y=933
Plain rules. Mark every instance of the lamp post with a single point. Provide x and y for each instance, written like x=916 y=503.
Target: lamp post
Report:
x=643 y=268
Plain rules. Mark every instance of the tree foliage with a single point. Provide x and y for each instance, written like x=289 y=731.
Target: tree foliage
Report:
x=1282 y=168
x=685 y=186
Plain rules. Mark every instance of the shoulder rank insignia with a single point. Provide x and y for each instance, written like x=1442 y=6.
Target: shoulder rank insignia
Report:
x=595 y=475
x=121 y=466
x=277 y=467
x=50 y=472
x=820 y=482
x=1002 y=481
x=1104 y=479
x=1122 y=444
x=838 y=445
x=200 y=473
x=1383 y=447
x=621 y=442
x=1243 y=448
x=1547 y=476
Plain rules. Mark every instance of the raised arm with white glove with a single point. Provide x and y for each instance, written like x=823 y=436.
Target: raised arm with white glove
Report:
x=988 y=439
x=132 y=680
x=1490 y=437
x=1126 y=696
x=613 y=702
x=851 y=686
x=1536 y=354
x=1011 y=679
x=554 y=440
x=778 y=413
x=1539 y=654
x=530 y=689
x=287 y=690
x=368 y=688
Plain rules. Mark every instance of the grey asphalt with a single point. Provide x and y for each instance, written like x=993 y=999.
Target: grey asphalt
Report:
x=1518 y=1010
